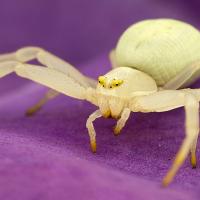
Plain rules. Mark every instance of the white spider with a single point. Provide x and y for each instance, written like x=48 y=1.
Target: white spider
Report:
x=152 y=59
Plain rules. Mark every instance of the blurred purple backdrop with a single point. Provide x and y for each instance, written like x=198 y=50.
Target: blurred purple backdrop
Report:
x=47 y=156
x=80 y=30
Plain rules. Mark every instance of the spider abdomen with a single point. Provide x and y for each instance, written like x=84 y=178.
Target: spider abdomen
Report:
x=160 y=48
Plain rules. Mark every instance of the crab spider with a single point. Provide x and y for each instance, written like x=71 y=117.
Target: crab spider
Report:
x=117 y=102
x=122 y=90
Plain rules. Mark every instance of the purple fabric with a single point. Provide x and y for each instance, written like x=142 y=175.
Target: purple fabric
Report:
x=48 y=156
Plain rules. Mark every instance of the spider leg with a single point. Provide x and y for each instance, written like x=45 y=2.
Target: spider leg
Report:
x=7 y=57
x=52 y=79
x=7 y=67
x=50 y=61
x=91 y=130
x=50 y=94
x=184 y=78
x=168 y=100
x=193 y=159
x=122 y=121
x=189 y=143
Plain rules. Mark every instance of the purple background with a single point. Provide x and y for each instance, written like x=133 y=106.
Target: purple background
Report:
x=47 y=156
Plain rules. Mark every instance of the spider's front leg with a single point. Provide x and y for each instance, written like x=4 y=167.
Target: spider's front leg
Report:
x=66 y=85
x=7 y=67
x=122 y=121
x=91 y=131
x=168 y=100
x=47 y=59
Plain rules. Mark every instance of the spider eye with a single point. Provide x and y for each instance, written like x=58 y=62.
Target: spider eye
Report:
x=116 y=83
x=102 y=80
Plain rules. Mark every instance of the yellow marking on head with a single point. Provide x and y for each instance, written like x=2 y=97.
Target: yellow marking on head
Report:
x=116 y=83
x=102 y=80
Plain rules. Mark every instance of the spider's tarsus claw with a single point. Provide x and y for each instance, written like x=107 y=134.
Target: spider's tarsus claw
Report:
x=164 y=184
x=116 y=131
x=166 y=181
x=93 y=146
x=170 y=175
x=194 y=166
x=31 y=111
x=193 y=161
x=28 y=113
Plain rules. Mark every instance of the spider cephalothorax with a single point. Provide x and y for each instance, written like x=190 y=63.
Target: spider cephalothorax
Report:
x=152 y=60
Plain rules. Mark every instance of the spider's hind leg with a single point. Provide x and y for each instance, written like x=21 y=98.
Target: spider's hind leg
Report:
x=184 y=78
x=50 y=94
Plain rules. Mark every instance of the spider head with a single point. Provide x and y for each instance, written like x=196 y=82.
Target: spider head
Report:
x=125 y=82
